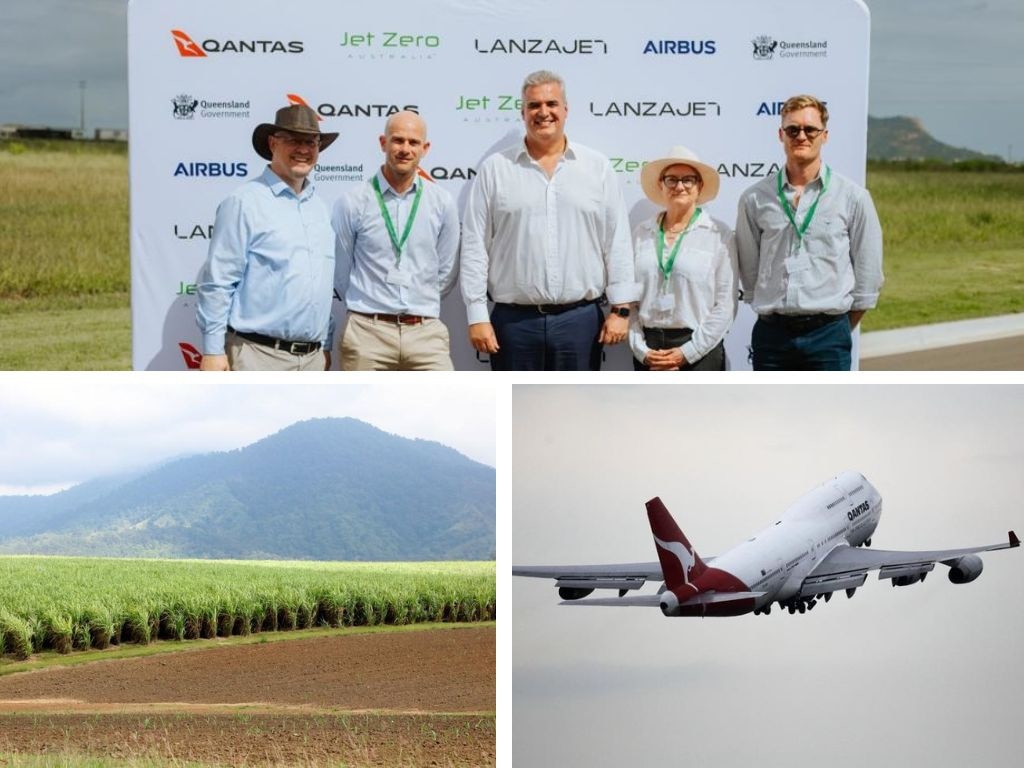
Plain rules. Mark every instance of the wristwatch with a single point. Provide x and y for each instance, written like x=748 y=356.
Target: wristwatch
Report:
x=620 y=311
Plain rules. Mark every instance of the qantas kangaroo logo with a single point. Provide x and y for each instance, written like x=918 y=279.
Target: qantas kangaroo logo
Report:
x=682 y=554
x=186 y=45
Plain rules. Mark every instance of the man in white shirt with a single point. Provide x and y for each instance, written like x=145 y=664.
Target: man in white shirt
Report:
x=809 y=247
x=396 y=256
x=546 y=237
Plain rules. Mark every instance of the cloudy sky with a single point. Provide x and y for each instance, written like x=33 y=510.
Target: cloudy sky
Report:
x=953 y=63
x=61 y=429
x=929 y=674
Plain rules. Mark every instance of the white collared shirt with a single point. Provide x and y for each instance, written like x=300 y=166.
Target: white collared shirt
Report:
x=701 y=289
x=837 y=269
x=531 y=239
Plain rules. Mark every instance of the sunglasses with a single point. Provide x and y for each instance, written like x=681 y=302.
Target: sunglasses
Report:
x=809 y=131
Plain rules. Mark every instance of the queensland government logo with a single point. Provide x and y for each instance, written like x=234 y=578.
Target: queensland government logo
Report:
x=185 y=107
x=766 y=47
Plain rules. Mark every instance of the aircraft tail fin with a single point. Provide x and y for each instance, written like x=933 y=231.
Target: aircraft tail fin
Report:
x=680 y=564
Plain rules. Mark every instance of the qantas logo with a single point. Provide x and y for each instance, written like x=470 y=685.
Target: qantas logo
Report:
x=188 y=48
x=857 y=511
x=186 y=45
x=681 y=553
x=297 y=101
x=193 y=357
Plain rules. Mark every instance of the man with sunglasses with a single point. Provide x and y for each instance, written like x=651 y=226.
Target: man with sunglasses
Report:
x=265 y=291
x=809 y=246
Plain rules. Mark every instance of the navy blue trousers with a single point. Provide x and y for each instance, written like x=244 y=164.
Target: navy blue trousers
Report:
x=778 y=347
x=531 y=341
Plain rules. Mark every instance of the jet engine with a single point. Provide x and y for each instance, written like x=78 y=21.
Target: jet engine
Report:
x=669 y=603
x=573 y=593
x=965 y=569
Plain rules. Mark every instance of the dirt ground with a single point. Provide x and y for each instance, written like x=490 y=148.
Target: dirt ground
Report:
x=391 y=699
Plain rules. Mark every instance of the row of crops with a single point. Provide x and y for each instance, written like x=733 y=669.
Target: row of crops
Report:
x=64 y=604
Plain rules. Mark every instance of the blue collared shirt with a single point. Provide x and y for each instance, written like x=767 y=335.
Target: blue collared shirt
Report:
x=270 y=267
x=365 y=256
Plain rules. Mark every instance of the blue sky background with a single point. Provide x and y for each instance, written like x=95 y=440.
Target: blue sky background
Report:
x=953 y=63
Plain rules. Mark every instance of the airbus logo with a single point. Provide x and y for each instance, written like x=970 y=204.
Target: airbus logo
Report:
x=857 y=511
x=211 y=170
x=188 y=48
x=680 y=47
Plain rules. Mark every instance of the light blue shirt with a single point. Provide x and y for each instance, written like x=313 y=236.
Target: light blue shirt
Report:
x=270 y=267
x=365 y=258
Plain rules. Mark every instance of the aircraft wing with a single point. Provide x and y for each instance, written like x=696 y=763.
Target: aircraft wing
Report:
x=581 y=579
x=845 y=567
x=654 y=601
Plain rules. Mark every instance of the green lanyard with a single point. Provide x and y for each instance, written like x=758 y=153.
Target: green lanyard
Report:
x=800 y=230
x=659 y=245
x=398 y=244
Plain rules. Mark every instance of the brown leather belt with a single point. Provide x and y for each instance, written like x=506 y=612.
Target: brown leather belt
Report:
x=397 y=319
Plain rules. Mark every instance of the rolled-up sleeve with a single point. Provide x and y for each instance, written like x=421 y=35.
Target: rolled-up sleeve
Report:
x=866 y=252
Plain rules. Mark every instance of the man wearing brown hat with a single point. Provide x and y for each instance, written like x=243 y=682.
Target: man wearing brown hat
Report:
x=265 y=291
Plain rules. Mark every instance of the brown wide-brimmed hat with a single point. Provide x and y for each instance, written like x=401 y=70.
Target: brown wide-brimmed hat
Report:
x=298 y=118
x=650 y=176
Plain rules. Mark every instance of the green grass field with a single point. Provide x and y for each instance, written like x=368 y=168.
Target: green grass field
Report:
x=63 y=604
x=954 y=249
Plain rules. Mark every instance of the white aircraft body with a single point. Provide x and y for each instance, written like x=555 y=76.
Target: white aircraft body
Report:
x=811 y=551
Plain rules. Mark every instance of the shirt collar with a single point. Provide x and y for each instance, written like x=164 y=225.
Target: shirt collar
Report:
x=279 y=186
x=385 y=187
x=703 y=220
x=521 y=153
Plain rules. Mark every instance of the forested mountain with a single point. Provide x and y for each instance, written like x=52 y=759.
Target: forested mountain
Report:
x=326 y=489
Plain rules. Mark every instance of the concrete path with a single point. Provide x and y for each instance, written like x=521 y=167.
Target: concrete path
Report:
x=985 y=344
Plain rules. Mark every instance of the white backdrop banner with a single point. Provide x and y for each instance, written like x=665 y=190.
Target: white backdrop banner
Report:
x=640 y=77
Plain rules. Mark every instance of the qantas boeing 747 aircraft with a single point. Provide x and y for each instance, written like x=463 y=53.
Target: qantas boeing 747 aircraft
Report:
x=812 y=551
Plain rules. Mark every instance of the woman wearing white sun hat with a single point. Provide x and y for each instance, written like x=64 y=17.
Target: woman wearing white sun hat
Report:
x=686 y=265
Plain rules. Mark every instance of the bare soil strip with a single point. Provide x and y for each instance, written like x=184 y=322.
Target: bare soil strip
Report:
x=359 y=700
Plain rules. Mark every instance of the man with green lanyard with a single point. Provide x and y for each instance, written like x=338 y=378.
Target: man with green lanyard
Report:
x=396 y=256
x=809 y=247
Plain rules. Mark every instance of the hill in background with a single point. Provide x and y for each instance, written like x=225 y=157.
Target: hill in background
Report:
x=326 y=489
x=905 y=138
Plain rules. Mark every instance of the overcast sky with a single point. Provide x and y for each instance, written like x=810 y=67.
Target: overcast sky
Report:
x=61 y=429
x=954 y=63
x=929 y=674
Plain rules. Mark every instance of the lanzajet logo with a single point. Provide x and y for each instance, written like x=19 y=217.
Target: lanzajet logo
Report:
x=186 y=45
x=193 y=231
x=538 y=45
x=295 y=100
x=188 y=48
x=184 y=106
x=211 y=170
x=766 y=46
x=656 y=109
x=680 y=47
x=748 y=170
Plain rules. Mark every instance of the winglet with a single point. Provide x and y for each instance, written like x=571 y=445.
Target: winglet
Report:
x=1014 y=541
